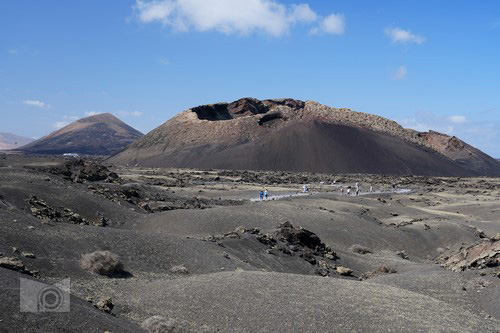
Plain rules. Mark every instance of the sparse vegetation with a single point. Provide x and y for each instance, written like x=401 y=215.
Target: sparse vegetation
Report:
x=101 y=262
x=159 y=324
x=180 y=269
x=360 y=249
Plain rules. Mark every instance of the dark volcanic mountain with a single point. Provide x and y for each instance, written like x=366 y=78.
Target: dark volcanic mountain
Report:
x=12 y=141
x=292 y=135
x=102 y=134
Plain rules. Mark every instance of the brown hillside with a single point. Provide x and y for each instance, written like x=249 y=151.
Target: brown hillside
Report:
x=102 y=134
x=287 y=134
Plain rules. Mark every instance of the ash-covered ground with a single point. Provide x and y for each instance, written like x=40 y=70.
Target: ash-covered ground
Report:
x=178 y=250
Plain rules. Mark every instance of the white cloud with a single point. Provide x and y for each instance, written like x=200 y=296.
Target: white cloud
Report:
x=227 y=16
x=483 y=134
x=400 y=73
x=302 y=13
x=91 y=113
x=13 y=51
x=129 y=113
x=457 y=119
x=398 y=35
x=71 y=117
x=332 y=24
x=164 y=61
x=38 y=104
x=423 y=126
x=59 y=124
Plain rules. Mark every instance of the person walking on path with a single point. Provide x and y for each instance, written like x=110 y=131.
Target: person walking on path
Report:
x=342 y=190
x=266 y=194
x=261 y=195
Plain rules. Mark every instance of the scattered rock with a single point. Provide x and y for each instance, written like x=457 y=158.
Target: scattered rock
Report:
x=28 y=255
x=322 y=271
x=343 y=270
x=15 y=265
x=105 y=304
x=299 y=236
x=12 y=263
x=402 y=254
x=480 y=255
x=79 y=171
x=496 y=237
x=479 y=233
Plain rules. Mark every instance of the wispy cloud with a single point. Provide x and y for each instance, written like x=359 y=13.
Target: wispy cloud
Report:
x=420 y=124
x=13 y=51
x=36 y=103
x=333 y=24
x=400 y=73
x=457 y=119
x=91 y=113
x=59 y=124
x=398 y=35
x=129 y=113
x=164 y=61
x=484 y=135
x=229 y=16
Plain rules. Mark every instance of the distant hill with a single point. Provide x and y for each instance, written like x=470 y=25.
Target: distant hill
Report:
x=102 y=134
x=12 y=141
x=292 y=135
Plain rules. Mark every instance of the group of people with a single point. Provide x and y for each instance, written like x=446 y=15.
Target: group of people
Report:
x=264 y=195
x=356 y=189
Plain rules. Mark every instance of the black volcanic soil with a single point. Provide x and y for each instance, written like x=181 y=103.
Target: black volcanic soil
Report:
x=102 y=134
x=292 y=135
x=317 y=262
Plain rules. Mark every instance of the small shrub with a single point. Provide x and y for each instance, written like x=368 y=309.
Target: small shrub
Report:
x=360 y=249
x=101 y=262
x=181 y=269
x=159 y=324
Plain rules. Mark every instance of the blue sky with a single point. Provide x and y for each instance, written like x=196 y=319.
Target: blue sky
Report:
x=426 y=64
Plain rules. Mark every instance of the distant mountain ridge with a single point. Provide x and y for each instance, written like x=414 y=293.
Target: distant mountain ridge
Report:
x=467 y=156
x=101 y=134
x=12 y=141
x=293 y=135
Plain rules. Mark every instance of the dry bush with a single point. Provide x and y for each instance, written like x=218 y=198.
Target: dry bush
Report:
x=101 y=262
x=159 y=324
x=360 y=249
x=181 y=269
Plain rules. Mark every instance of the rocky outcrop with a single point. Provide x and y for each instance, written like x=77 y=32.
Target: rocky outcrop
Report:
x=80 y=171
x=467 y=156
x=481 y=255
